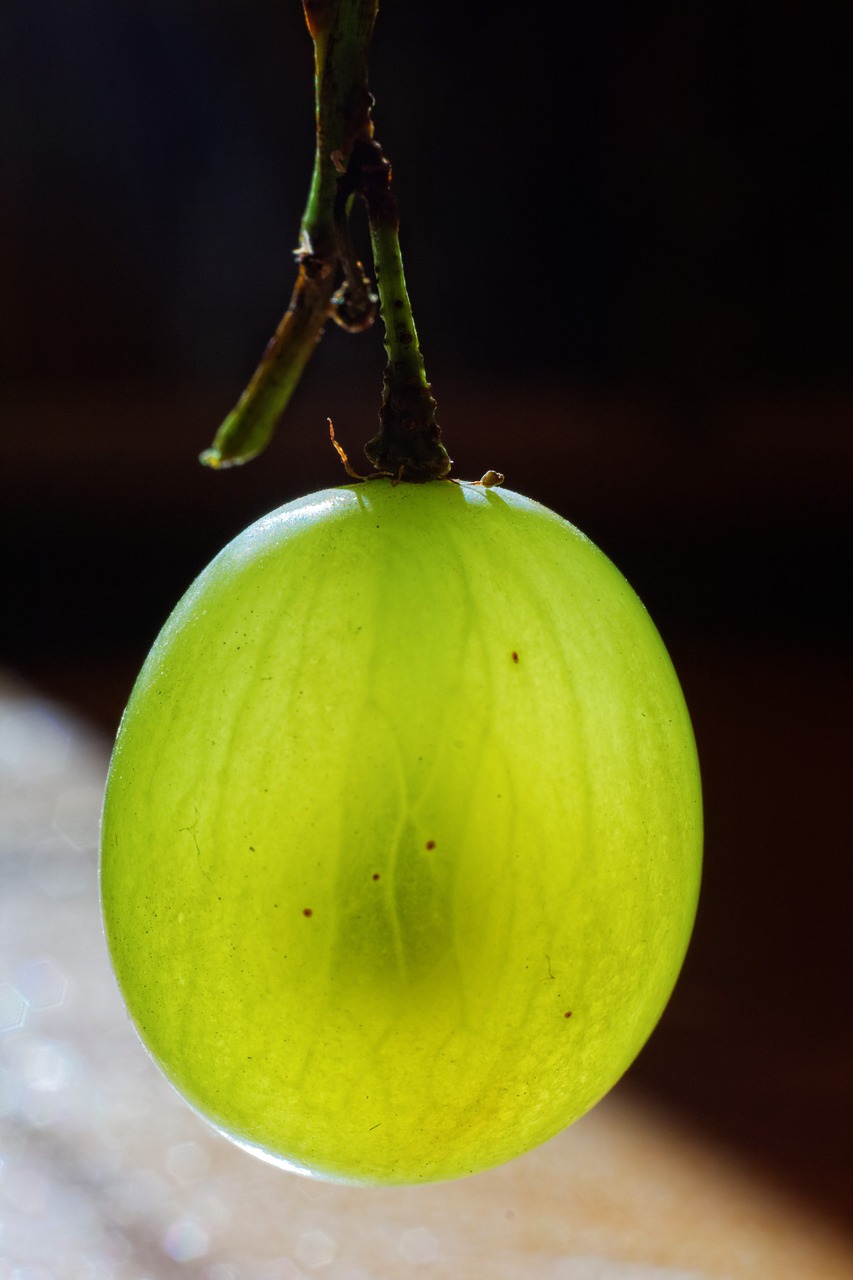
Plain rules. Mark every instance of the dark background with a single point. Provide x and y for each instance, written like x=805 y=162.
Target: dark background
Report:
x=627 y=240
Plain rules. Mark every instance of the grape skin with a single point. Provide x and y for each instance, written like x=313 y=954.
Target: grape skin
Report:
x=406 y=780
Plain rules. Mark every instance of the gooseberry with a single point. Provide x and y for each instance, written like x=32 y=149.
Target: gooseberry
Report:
x=402 y=835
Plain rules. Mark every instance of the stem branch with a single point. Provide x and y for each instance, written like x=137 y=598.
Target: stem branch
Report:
x=408 y=442
x=341 y=30
x=348 y=162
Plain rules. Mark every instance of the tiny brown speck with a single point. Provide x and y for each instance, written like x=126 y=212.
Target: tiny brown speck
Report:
x=567 y=1014
x=430 y=844
x=514 y=656
x=306 y=911
x=376 y=875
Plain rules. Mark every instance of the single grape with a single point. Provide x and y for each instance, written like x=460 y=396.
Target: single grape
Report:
x=402 y=835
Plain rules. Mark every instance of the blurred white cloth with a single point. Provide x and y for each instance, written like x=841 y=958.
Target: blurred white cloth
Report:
x=106 y=1174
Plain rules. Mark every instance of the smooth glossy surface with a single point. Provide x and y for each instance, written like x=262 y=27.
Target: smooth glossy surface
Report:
x=402 y=836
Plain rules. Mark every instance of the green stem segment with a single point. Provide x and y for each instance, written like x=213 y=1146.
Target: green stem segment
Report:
x=341 y=30
x=408 y=444
x=331 y=282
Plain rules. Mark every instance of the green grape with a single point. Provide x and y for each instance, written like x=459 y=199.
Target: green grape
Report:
x=402 y=836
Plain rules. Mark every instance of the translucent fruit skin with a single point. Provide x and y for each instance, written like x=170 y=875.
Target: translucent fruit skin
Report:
x=402 y=836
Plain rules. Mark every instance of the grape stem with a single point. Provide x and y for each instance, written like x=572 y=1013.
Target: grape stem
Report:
x=408 y=443
x=331 y=282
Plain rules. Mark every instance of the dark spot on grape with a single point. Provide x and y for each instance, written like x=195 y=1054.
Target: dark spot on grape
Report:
x=567 y=1014
x=430 y=844
x=514 y=656
x=376 y=875
x=306 y=911
x=251 y=848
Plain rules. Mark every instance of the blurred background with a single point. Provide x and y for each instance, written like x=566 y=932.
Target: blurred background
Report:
x=627 y=239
